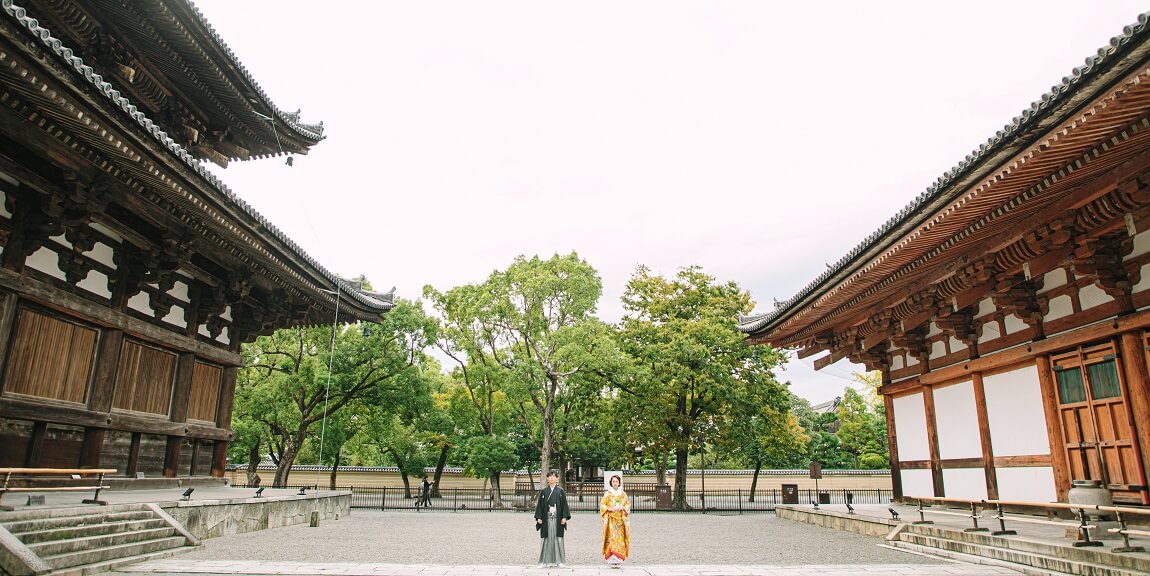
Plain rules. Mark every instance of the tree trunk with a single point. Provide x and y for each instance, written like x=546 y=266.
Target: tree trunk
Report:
x=283 y=467
x=661 y=469
x=496 y=496
x=334 y=468
x=679 y=502
x=755 y=479
x=439 y=470
x=253 y=465
x=548 y=421
x=406 y=483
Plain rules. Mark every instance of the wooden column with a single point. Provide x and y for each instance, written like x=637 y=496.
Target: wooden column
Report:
x=107 y=364
x=92 y=446
x=932 y=441
x=7 y=325
x=133 y=456
x=892 y=446
x=984 y=437
x=182 y=389
x=172 y=456
x=36 y=444
x=224 y=420
x=195 y=457
x=1136 y=377
x=1054 y=433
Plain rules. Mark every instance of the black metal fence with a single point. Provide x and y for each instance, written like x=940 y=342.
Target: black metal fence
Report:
x=642 y=500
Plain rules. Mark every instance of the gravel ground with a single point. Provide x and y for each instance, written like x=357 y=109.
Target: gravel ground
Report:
x=509 y=538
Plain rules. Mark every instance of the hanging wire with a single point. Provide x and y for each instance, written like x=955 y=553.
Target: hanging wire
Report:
x=277 y=135
x=326 y=391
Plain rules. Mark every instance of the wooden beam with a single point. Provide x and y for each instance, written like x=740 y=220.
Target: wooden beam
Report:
x=932 y=441
x=892 y=447
x=984 y=437
x=7 y=318
x=1136 y=378
x=1054 y=434
x=25 y=409
x=56 y=299
x=1023 y=461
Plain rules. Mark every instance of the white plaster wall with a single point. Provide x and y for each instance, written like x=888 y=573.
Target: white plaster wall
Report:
x=956 y=421
x=141 y=302
x=1054 y=279
x=1059 y=307
x=179 y=291
x=1014 y=324
x=103 y=254
x=956 y=345
x=896 y=362
x=985 y=306
x=176 y=317
x=61 y=240
x=917 y=483
x=1032 y=484
x=96 y=282
x=933 y=330
x=227 y=314
x=106 y=232
x=911 y=361
x=45 y=261
x=1090 y=296
x=225 y=336
x=3 y=200
x=203 y=331
x=990 y=331
x=1144 y=282
x=1141 y=245
x=910 y=427
x=938 y=349
x=1014 y=412
x=964 y=483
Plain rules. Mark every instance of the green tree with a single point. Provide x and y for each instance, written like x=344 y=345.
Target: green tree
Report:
x=862 y=427
x=488 y=457
x=695 y=365
x=285 y=387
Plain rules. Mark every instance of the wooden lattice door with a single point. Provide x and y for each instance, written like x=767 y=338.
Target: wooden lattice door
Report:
x=1095 y=419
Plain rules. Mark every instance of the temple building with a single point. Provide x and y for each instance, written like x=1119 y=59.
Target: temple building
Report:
x=1008 y=306
x=129 y=274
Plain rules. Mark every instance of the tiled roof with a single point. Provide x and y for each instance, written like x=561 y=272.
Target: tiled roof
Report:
x=381 y=302
x=917 y=209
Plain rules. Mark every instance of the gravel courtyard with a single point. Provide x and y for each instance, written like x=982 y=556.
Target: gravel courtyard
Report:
x=509 y=538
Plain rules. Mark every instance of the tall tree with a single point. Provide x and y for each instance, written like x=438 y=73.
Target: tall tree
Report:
x=534 y=320
x=285 y=383
x=697 y=365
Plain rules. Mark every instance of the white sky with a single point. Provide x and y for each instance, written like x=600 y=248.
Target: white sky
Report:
x=760 y=141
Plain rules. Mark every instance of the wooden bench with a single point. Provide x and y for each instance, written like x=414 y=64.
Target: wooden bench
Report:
x=68 y=472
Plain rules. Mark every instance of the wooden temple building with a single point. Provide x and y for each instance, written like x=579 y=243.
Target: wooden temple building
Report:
x=1008 y=306
x=130 y=275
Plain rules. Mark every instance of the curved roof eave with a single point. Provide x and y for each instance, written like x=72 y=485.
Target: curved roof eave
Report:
x=65 y=54
x=920 y=208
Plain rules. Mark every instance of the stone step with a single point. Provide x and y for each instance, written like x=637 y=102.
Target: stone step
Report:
x=68 y=511
x=1089 y=555
x=57 y=547
x=971 y=559
x=28 y=525
x=1056 y=563
x=113 y=564
x=111 y=553
x=82 y=530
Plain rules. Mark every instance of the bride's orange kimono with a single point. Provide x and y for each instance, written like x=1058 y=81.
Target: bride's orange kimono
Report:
x=615 y=508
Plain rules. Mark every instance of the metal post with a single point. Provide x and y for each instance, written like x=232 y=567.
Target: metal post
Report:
x=1002 y=531
x=922 y=515
x=1126 y=547
x=974 y=515
x=1084 y=531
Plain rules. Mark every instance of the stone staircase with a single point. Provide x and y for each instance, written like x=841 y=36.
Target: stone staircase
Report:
x=1027 y=556
x=87 y=540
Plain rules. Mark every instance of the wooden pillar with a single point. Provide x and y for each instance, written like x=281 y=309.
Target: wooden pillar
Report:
x=182 y=389
x=1049 y=388
x=133 y=456
x=892 y=446
x=107 y=365
x=1136 y=377
x=932 y=441
x=92 y=446
x=7 y=326
x=36 y=444
x=224 y=420
x=195 y=457
x=172 y=456
x=984 y=437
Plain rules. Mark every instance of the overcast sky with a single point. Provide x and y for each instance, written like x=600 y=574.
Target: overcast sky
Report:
x=759 y=140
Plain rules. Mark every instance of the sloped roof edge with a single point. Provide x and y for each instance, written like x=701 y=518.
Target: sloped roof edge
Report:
x=379 y=302
x=917 y=208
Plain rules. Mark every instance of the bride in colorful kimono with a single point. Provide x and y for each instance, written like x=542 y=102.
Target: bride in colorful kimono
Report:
x=615 y=508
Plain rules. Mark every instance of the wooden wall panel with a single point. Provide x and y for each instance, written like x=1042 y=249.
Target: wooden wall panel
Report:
x=61 y=448
x=145 y=379
x=50 y=358
x=116 y=451
x=151 y=459
x=205 y=395
x=14 y=442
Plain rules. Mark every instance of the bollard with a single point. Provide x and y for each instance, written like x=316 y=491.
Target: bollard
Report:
x=314 y=518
